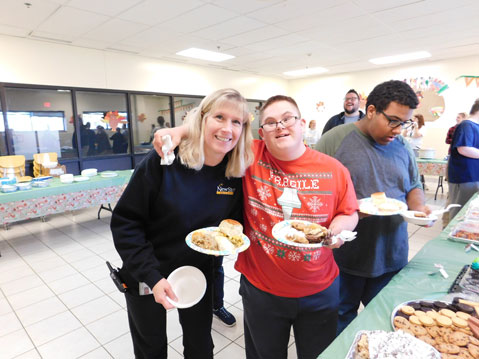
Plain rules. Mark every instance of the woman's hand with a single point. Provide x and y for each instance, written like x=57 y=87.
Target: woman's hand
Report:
x=176 y=134
x=161 y=290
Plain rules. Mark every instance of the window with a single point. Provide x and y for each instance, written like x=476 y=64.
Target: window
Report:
x=149 y=113
x=37 y=121
x=103 y=123
x=182 y=106
x=3 y=143
x=40 y=120
x=254 y=107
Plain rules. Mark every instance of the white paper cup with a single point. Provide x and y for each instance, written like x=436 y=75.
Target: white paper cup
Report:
x=189 y=285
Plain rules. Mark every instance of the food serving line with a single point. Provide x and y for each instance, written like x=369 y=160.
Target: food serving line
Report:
x=420 y=279
x=60 y=197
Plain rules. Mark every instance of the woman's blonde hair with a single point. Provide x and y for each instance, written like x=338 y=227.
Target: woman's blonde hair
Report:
x=191 y=149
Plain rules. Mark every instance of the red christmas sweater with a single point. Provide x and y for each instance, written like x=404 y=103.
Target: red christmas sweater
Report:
x=325 y=190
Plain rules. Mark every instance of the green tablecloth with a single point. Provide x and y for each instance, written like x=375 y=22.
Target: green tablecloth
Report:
x=56 y=187
x=433 y=160
x=413 y=282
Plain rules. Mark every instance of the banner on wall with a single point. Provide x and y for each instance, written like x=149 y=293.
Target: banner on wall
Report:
x=469 y=79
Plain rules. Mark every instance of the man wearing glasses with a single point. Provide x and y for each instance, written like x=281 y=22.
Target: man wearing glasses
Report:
x=350 y=114
x=379 y=160
x=284 y=286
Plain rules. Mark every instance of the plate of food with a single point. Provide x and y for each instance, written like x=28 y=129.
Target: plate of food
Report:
x=449 y=327
x=419 y=218
x=380 y=205
x=465 y=232
x=307 y=234
x=226 y=239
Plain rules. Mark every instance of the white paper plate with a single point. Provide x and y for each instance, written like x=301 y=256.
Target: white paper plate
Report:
x=189 y=285
x=81 y=178
x=108 y=174
x=367 y=206
x=281 y=229
x=420 y=221
x=212 y=252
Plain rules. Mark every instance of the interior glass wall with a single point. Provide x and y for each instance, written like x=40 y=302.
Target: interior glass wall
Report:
x=3 y=145
x=254 y=107
x=147 y=116
x=181 y=107
x=103 y=123
x=40 y=120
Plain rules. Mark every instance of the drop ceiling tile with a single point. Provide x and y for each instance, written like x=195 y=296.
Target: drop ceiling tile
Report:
x=342 y=11
x=245 y=6
x=104 y=7
x=70 y=21
x=379 y=5
x=229 y=28
x=152 y=36
x=47 y=36
x=114 y=30
x=15 y=13
x=13 y=31
x=263 y=33
x=153 y=12
x=287 y=10
x=199 y=18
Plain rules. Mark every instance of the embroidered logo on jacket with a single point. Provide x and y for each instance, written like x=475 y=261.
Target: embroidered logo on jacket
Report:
x=225 y=190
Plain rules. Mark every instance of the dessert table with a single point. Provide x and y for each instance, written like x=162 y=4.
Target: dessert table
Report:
x=412 y=282
x=432 y=167
x=60 y=197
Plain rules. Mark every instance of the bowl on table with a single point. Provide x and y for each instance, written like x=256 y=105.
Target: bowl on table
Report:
x=8 y=188
x=66 y=178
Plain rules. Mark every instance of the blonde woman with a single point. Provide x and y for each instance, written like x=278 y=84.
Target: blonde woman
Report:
x=162 y=204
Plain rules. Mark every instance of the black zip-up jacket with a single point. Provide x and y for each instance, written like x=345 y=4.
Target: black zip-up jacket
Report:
x=337 y=120
x=159 y=207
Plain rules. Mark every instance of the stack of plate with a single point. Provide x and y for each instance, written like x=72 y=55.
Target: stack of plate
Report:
x=89 y=172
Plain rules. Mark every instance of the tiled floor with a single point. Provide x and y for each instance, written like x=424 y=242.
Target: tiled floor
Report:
x=57 y=300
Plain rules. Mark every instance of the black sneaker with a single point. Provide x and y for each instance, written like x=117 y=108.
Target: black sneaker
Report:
x=226 y=317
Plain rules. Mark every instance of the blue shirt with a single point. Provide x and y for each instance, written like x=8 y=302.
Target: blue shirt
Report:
x=464 y=169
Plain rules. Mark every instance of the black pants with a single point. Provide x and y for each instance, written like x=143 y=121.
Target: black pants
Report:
x=268 y=320
x=147 y=320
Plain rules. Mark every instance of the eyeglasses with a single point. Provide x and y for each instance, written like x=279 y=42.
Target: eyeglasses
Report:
x=285 y=122
x=394 y=123
x=346 y=99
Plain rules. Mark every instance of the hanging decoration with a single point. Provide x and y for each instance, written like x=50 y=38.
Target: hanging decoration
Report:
x=113 y=119
x=427 y=83
x=469 y=79
x=141 y=117
x=320 y=106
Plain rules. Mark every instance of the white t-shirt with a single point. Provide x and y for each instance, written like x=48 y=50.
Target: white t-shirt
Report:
x=415 y=142
x=311 y=137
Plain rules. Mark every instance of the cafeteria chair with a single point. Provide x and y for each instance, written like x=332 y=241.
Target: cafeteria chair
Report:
x=13 y=165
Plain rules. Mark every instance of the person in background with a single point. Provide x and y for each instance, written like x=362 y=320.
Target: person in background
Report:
x=461 y=116
x=152 y=133
x=102 y=141
x=118 y=141
x=350 y=114
x=311 y=135
x=463 y=165
x=415 y=134
x=162 y=204
x=379 y=160
x=286 y=287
